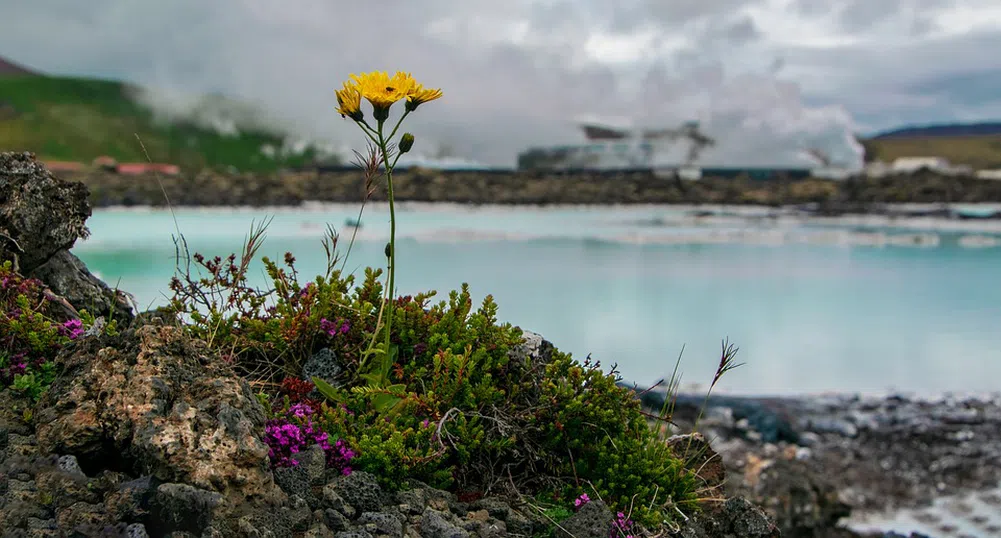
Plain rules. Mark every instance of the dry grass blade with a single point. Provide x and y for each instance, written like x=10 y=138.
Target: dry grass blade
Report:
x=329 y=243
x=369 y=163
x=726 y=362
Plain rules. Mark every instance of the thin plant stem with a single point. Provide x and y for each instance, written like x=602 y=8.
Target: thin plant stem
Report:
x=392 y=232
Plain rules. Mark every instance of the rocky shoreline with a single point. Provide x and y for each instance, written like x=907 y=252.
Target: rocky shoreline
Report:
x=819 y=196
x=146 y=432
x=825 y=464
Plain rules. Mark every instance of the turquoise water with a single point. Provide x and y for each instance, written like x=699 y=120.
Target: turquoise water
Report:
x=812 y=307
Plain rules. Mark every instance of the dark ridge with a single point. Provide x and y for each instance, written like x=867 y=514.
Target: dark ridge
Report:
x=11 y=69
x=944 y=130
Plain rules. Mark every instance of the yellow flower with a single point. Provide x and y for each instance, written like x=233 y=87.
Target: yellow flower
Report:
x=382 y=90
x=418 y=94
x=349 y=100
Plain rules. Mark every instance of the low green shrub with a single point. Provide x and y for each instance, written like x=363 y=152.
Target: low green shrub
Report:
x=450 y=405
x=428 y=392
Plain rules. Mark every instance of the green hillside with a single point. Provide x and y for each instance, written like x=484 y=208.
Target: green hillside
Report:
x=73 y=119
x=978 y=151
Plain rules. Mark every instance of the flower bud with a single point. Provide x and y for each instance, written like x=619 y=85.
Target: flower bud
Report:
x=406 y=142
x=389 y=250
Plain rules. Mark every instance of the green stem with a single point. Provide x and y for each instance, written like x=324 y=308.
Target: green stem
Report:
x=392 y=232
x=400 y=121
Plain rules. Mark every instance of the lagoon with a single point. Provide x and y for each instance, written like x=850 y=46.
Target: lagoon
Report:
x=848 y=305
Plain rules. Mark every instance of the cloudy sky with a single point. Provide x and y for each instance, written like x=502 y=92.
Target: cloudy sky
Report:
x=765 y=77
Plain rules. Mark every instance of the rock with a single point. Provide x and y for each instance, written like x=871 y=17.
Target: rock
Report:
x=592 y=520
x=419 y=497
x=385 y=524
x=136 y=530
x=492 y=529
x=153 y=402
x=360 y=490
x=737 y=518
x=437 y=524
x=325 y=365
x=535 y=349
x=42 y=217
x=294 y=481
x=314 y=462
x=518 y=523
x=69 y=465
x=300 y=515
x=83 y=517
x=132 y=499
x=353 y=534
x=797 y=498
x=63 y=489
x=335 y=520
x=180 y=507
x=319 y=531
x=69 y=278
x=695 y=451
x=494 y=507
x=333 y=501
x=831 y=425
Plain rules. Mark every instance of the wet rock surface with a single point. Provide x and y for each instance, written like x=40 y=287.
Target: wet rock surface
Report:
x=820 y=464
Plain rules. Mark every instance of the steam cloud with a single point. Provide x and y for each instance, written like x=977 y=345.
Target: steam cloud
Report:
x=515 y=74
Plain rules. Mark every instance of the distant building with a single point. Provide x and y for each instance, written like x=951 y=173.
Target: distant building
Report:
x=666 y=152
x=611 y=147
x=147 y=168
x=105 y=162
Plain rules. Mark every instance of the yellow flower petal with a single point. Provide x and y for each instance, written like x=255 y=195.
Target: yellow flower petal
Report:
x=382 y=90
x=349 y=99
x=418 y=94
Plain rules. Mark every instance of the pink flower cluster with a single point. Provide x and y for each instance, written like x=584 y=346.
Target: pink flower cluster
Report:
x=17 y=365
x=288 y=436
x=72 y=329
x=621 y=526
x=333 y=329
x=581 y=501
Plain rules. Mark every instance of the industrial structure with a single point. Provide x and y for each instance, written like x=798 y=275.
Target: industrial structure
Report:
x=673 y=152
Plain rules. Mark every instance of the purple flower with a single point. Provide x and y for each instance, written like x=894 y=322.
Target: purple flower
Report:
x=301 y=410
x=621 y=526
x=333 y=329
x=286 y=438
x=581 y=501
x=72 y=328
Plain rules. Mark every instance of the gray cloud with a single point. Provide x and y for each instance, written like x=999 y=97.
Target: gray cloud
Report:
x=516 y=73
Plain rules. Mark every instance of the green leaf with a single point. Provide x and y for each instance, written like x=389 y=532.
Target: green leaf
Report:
x=385 y=403
x=327 y=390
